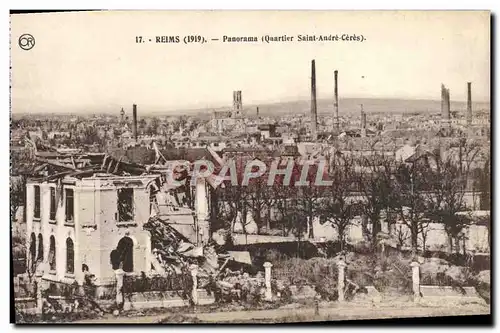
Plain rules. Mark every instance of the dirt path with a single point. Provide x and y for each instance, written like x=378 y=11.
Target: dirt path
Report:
x=338 y=314
x=308 y=314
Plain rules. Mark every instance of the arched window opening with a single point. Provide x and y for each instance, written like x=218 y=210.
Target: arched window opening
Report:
x=70 y=256
x=125 y=251
x=39 y=257
x=52 y=253
x=32 y=248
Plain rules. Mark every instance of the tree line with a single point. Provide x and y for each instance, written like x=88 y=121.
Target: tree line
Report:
x=428 y=189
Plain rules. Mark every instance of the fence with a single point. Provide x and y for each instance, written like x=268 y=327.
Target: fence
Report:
x=142 y=292
x=48 y=296
x=334 y=279
x=305 y=281
x=297 y=271
x=145 y=291
x=157 y=282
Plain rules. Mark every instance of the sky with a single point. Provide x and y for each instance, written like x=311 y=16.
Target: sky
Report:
x=90 y=61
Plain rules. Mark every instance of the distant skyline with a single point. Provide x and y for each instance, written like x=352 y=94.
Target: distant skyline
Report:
x=347 y=106
x=89 y=61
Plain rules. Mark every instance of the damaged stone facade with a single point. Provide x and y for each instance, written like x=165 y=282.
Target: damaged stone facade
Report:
x=73 y=222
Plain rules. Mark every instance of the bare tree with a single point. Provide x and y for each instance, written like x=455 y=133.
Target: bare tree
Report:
x=486 y=221
x=284 y=197
x=221 y=213
x=446 y=198
x=485 y=185
x=17 y=195
x=375 y=186
x=308 y=197
x=235 y=198
x=401 y=236
x=423 y=230
x=408 y=199
x=259 y=199
x=338 y=208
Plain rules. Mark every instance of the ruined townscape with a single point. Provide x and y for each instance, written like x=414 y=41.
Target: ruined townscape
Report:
x=330 y=208
x=98 y=229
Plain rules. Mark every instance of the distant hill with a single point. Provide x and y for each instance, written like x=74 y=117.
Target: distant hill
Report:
x=325 y=106
x=350 y=106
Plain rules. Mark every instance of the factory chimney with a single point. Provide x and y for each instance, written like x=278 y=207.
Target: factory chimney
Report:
x=443 y=101
x=257 y=112
x=469 y=104
x=363 y=122
x=336 y=98
x=445 y=104
x=314 y=115
x=447 y=113
x=134 y=121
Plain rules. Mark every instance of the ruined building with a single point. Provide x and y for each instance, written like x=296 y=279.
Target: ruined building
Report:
x=78 y=217
x=226 y=120
x=445 y=106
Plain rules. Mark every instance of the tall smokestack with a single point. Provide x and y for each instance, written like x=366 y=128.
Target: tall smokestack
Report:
x=447 y=114
x=469 y=103
x=363 y=122
x=443 y=101
x=336 y=98
x=257 y=112
x=445 y=104
x=134 y=121
x=314 y=115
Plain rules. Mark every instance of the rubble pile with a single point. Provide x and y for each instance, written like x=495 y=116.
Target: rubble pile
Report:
x=238 y=286
x=77 y=299
x=176 y=254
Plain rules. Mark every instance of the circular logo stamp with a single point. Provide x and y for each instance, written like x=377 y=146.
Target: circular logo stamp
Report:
x=26 y=42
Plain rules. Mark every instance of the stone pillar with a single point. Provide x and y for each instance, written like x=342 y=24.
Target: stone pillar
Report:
x=415 y=268
x=202 y=213
x=341 y=277
x=203 y=232
x=267 y=274
x=39 y=297
x=119 y=273
x=194 y=275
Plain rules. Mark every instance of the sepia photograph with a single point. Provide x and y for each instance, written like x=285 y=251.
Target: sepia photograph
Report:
x=250 y=167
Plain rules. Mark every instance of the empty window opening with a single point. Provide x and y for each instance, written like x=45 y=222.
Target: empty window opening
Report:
x=39 y=257
x=69 y=211
x=36 y=213
x=70 y=256
x=125 y=205
x=32 y=248
x=53 y=204
x=52 y=253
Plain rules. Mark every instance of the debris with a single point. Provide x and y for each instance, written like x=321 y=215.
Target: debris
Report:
x=484 y=277
x=241 y=256
x=433 y=266
x=457 y=273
